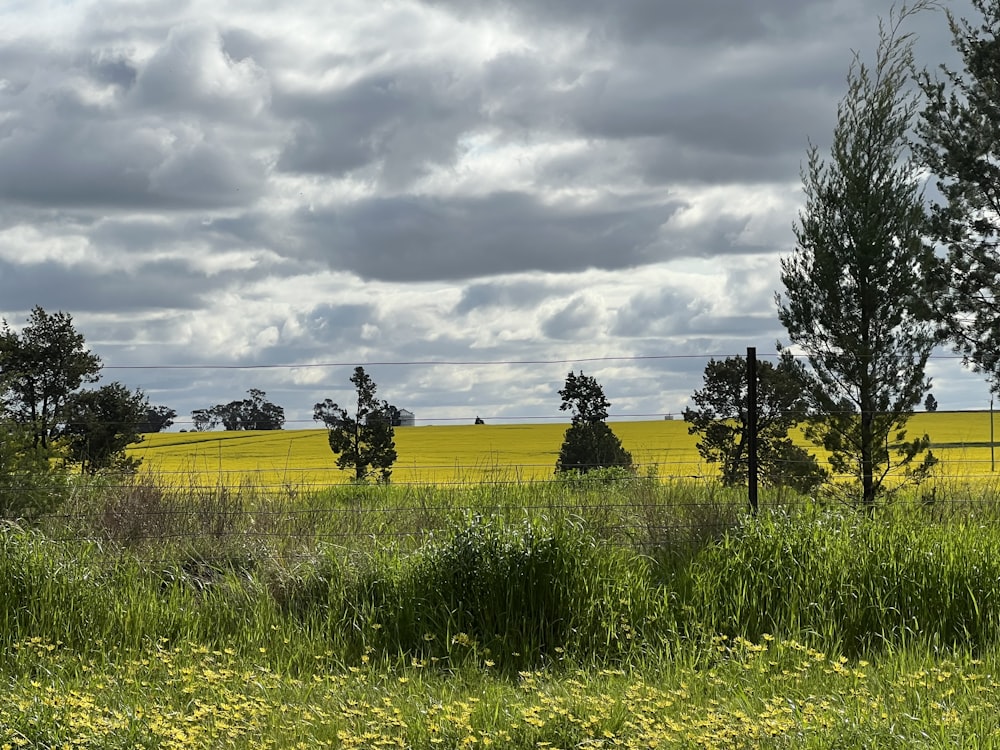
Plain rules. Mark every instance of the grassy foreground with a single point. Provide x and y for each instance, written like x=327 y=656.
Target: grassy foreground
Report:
x=545 y=615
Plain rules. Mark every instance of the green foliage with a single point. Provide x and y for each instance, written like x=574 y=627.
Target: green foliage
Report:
x=157 y=419
x=589 y=442
x=959 y=131
x=856 y=293
x=30 y=483
x=518 y=595
x=365 y=441
x=721 y=420
x=100 y=424
x=526 y=593
x=39 y=368
x=254 y=413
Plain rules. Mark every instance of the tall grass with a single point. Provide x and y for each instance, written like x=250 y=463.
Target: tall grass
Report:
x=623 y=574
x=850 y=581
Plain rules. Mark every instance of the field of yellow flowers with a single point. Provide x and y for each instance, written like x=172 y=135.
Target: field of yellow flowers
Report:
x=467 y=454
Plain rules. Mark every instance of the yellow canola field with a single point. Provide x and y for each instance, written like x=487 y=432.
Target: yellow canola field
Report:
x=434 y=454
x=475 y=453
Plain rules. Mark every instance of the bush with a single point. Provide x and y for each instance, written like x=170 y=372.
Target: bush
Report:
x=30 y=485
x=518 y=597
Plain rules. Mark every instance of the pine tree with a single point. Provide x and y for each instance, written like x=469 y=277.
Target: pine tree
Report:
x=589 y=443
x=960 y=143
x=855 y=298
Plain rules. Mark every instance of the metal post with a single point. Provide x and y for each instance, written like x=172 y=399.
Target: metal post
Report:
x=752 y=427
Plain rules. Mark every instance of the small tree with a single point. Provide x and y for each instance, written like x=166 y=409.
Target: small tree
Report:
x=40 y=368
x=930 y=403
x=157 y=419
x=100 y=424
x=204 y=419
x=721 y=421
x=589 y=443
x=364 y=440
x=30 y=483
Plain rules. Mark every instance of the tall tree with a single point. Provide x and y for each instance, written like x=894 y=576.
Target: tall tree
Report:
x=364 y=440
x=40 y=368
x=855 y=295
x=100 y=424
x=959 y=142
x=589 y=443
x=721 y=420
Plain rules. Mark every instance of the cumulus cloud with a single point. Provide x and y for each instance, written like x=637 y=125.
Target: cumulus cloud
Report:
x=498 y=180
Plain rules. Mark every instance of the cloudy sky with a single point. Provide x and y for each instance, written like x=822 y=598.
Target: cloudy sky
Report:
x=470 y=197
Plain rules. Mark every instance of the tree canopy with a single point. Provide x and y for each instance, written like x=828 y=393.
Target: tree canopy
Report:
x=100 y=424
x=959 y=131
x=721 y=420
x=40 y=367
x=157 y=419
x=254 y=413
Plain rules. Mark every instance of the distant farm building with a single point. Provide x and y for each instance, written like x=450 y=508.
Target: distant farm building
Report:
x=406 y=418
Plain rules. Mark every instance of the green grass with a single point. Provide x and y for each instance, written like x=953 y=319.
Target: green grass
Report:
x=575 y=614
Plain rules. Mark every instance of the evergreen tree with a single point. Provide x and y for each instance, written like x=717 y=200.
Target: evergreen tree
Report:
x=960 y=143
x=855 y=296
x=721 y=422
x=589 y=443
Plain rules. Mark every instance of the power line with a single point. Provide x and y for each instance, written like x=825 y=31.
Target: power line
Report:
x=457 y=363
x=425 y=363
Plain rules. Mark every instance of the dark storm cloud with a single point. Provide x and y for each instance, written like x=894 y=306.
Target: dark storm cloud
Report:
x=578 y=318
x=328 y=324
x=95 y=129
x=673 y=116
x=191 y=74
x=422 y=238
x=669 y=313
x=85 y=164
x=665 y=312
